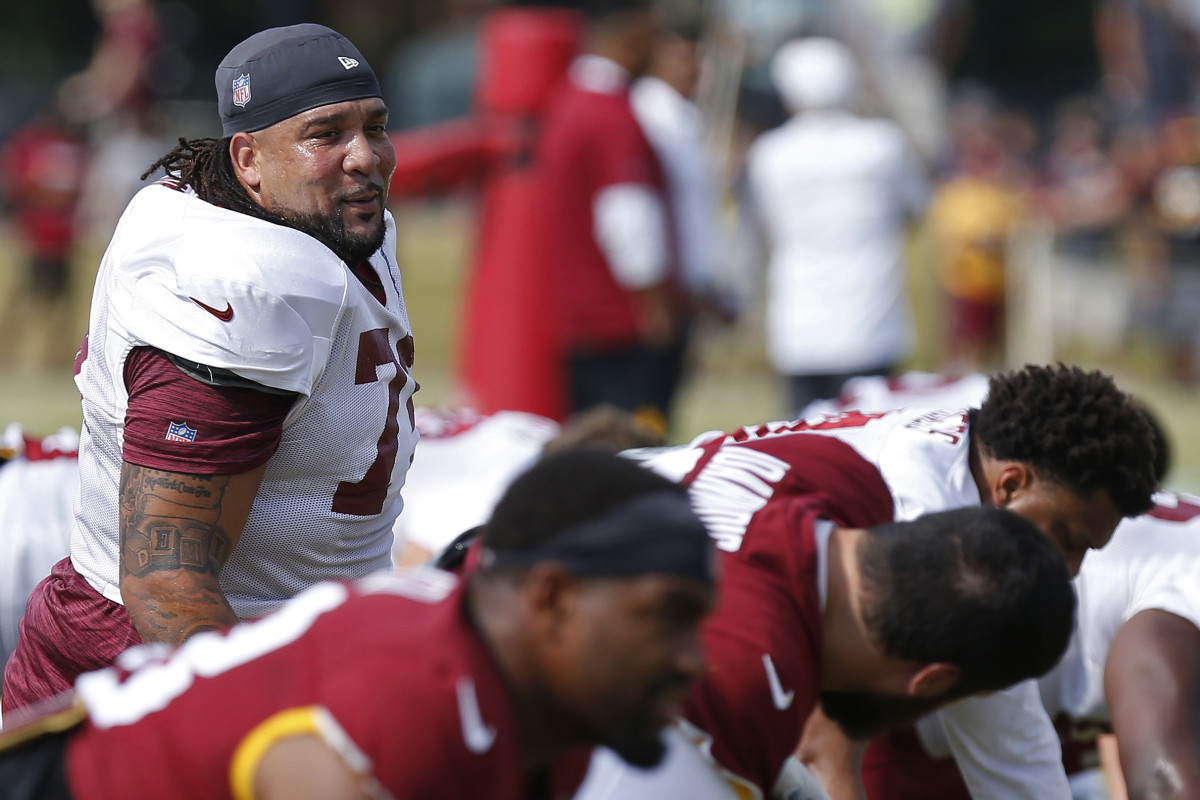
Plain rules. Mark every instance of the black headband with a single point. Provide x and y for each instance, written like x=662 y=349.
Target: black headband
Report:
x=652 y=533
x=281 y=72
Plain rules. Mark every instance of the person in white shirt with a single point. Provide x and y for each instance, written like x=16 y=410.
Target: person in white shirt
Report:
x=662 y=103
x=830 y=193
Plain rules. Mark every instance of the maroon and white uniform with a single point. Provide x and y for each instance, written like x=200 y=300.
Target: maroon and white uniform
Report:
x=1004 y=743
x=388 y=672
x=770 y=505
x=277 y=308
x=302 y=364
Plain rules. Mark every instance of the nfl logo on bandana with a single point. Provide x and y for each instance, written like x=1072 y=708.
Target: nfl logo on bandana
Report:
x=241 y=90
x=180 y=432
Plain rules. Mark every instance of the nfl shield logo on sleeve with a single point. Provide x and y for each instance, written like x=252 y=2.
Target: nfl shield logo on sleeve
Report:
x=180 y=432
x=241 y=90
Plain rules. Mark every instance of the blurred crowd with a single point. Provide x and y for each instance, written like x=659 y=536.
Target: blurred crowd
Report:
x=1051 y=164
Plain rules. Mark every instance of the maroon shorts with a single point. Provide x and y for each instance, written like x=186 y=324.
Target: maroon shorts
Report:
x=69 y=628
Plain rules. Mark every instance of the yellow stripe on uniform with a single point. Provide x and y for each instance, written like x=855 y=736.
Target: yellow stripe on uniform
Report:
x=256 y=743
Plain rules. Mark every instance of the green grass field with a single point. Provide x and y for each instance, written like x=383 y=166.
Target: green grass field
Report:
x=730 y=384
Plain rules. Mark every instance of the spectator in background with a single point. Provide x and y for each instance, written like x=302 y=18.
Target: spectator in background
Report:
x=1088 y=201
x=676 y=129
x=42 y=169
x=1172 y=283
x=115 y=96
x=621 y=309
x=831 y=192
x=970 y=219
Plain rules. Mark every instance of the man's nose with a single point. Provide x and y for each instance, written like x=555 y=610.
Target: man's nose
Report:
x=360 y=155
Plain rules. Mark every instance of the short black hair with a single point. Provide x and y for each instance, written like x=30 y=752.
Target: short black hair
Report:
x=564 y=489
x=981 y=588
x=1074 y=428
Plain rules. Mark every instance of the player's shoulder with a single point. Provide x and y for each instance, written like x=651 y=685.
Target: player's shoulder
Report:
x=1168 y=532
x=457 y=710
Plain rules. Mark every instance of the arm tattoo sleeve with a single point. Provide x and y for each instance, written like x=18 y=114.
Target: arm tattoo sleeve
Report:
x=169 y=522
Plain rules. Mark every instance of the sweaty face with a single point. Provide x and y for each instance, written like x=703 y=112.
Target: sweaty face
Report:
x=326 y=171
x=1075 y=524
x=863 y=715
x=633 y=652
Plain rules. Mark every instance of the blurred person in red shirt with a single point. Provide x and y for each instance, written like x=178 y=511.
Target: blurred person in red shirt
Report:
x=619 y=304
x=42 y=168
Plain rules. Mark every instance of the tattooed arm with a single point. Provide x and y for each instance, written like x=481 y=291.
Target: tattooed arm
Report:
x=177 y=532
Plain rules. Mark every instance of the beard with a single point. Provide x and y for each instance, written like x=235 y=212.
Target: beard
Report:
x=864 y=715
x=332 y=232
x=637 y=743
x=637 y=736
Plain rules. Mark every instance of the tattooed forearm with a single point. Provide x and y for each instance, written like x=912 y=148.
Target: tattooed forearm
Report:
x=169 y=521
x=150 y=544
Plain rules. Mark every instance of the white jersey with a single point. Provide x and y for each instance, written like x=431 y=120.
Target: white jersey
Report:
x=285 y=313
x=907 y=390
x=464 y=462
x=37 y=491
x=1004 y=743
x=1152 y=562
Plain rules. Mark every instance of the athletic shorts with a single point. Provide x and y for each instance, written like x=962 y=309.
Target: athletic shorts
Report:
x=69 y=628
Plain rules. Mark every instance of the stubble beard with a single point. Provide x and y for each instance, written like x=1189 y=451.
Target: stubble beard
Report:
x=331 y=231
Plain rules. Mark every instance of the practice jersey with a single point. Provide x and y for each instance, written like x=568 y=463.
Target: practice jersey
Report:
x=388 y=672
x=38 y=483
x=907 y=390
x=273 y=306
x=922 y=454
x=1152 y=562
x=1004 y=742
x=464 y=462
x=770 y=505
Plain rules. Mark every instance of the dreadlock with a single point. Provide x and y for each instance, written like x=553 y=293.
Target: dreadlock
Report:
x=204 y=165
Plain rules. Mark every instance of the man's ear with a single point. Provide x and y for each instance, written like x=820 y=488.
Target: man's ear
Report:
x=243 y=152
x=551 y=593
x=934 y=680
x=1010 y=478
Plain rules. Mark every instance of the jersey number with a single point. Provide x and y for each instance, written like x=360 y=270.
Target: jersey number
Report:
x=366 y=497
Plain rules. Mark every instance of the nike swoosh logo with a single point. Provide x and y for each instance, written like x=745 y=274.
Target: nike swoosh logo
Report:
x=224 y=316
x=781 y=699
x=477 y=735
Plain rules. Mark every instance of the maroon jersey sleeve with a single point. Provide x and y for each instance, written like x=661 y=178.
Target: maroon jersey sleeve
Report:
x=764 y=651
x=762 y=500
x=176 y=423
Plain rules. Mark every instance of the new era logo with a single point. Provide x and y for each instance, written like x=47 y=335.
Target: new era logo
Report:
x=348 y=63
x=180 y=432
